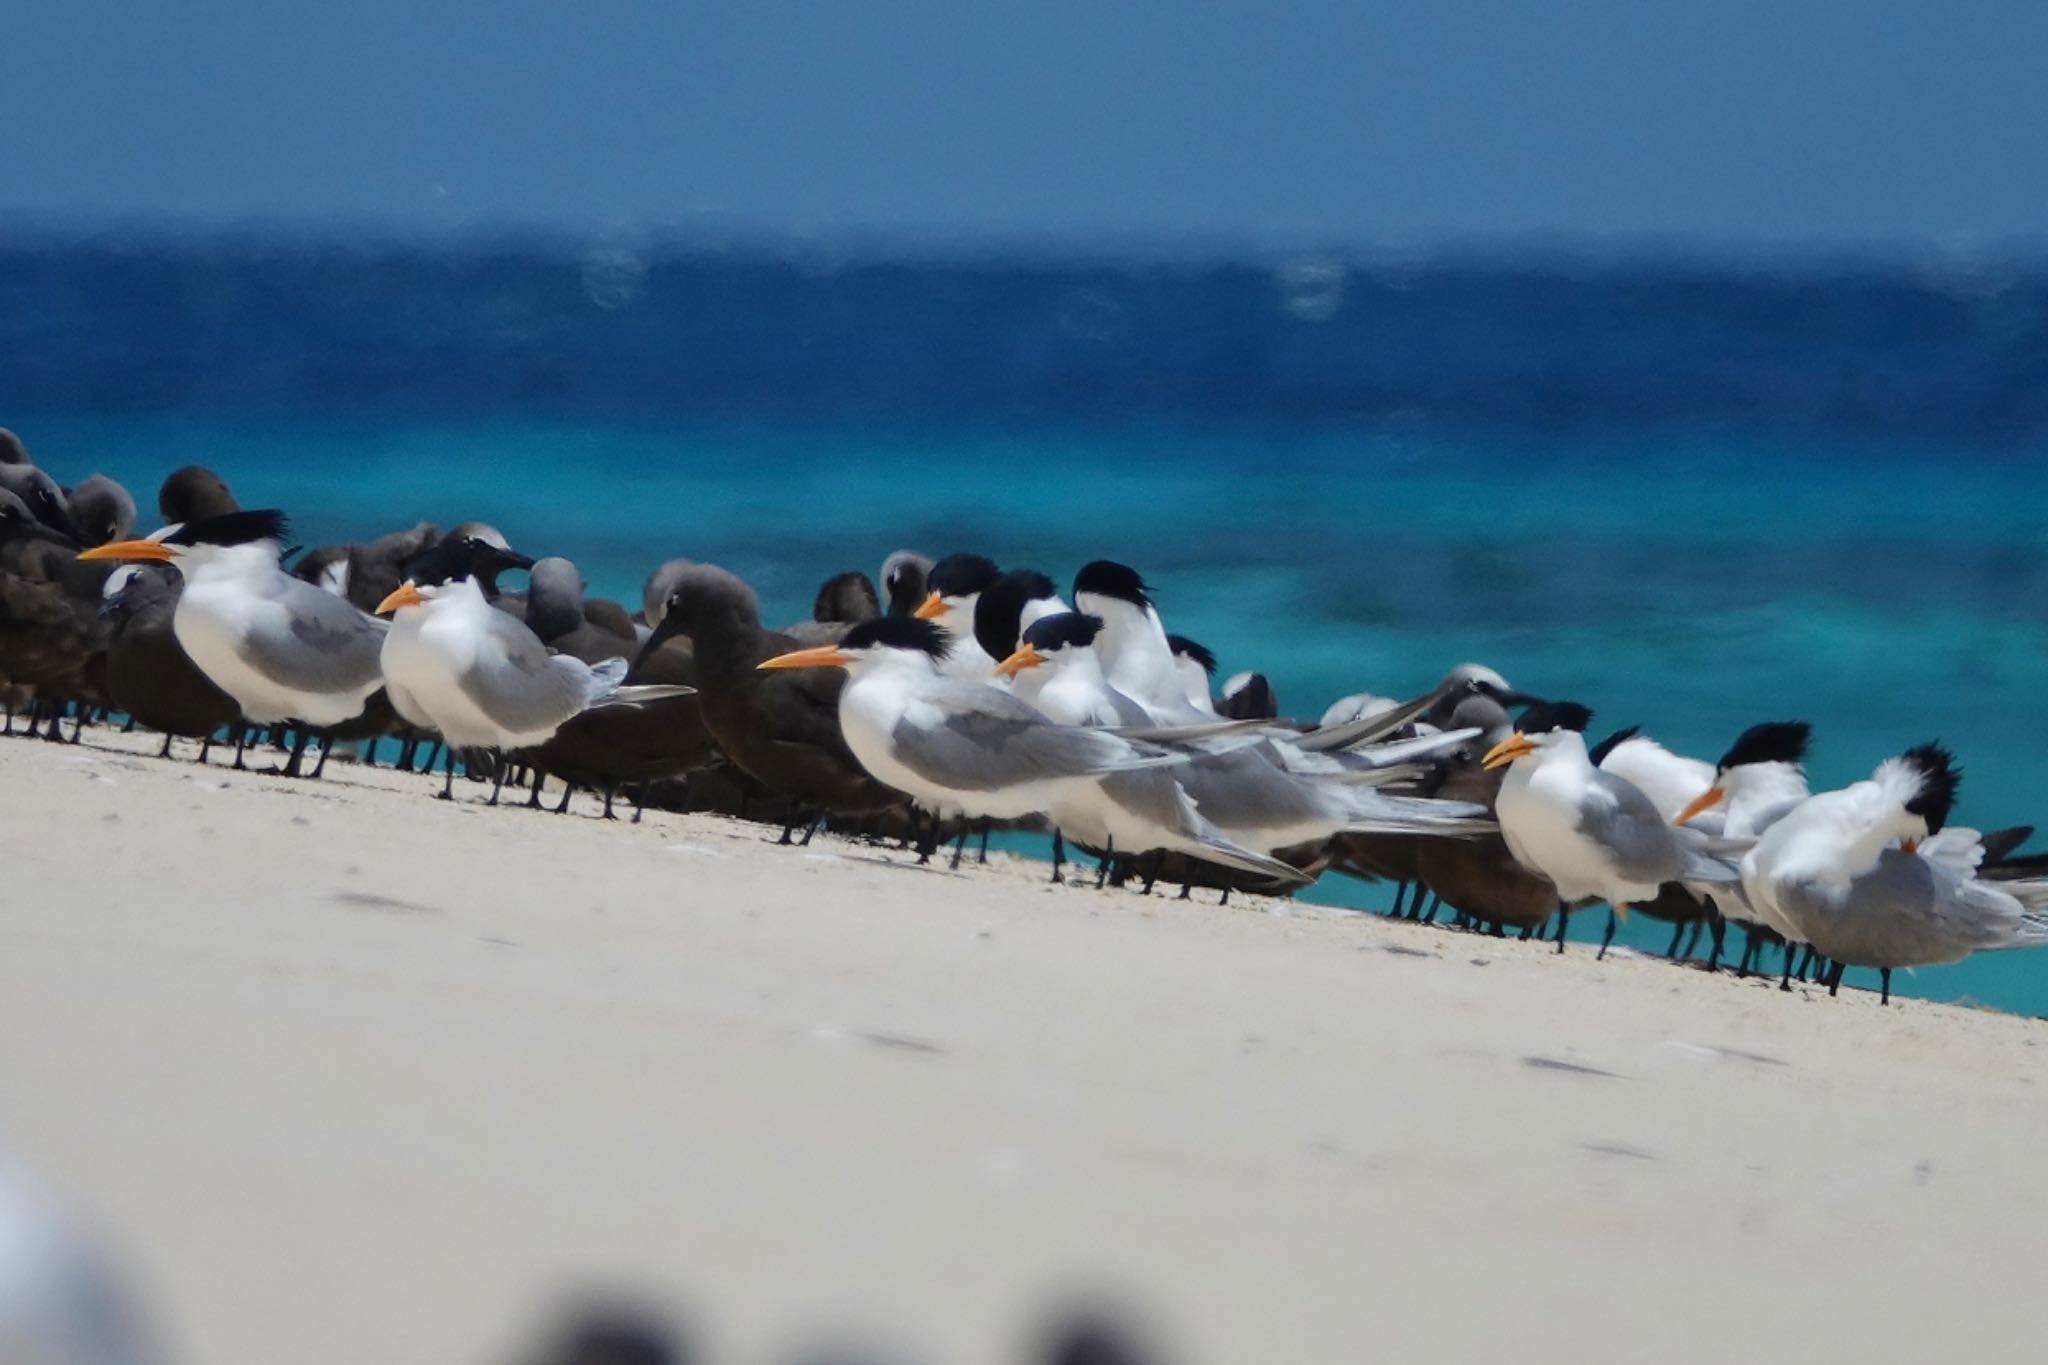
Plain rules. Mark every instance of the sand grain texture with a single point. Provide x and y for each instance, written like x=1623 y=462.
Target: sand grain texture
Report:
x=348 y=1074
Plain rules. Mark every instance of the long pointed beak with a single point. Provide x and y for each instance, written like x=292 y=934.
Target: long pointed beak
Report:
x=1706 y=800
x=128 y=549
x=933 y=607
x=1025 y=657
x=404 y=595
x=822 y=656
x=1507 y=751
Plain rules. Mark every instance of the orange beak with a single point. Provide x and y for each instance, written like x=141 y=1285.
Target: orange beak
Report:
x=1025 y=657
x=823 y=656
x=404 y=595
x=128 y=549
x=1707 y=800
x=931 y=608
x=1910 y=845
x=1507 y=751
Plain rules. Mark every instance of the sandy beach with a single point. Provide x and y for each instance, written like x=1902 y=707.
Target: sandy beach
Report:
x=346 y=1074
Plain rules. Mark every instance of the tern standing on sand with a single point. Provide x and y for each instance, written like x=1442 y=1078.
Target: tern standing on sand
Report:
x=284 y=650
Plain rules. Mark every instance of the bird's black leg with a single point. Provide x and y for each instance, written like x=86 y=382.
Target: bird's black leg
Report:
x=241 y=742
x=1059 y=855
x=78 y=722
x=1834 y=979
x=959 y=848
x=1805 y=962
x=205 y=747
x=816 y=821
x=1718 y=926
x=568 y=790
x=640 y=799
x=986 y=826
x=498 y=767
x=788 y=826
x=326 y=747
x=1158 y=861
x=1677 y=931
x=1224 y=899
x=1526 y=931
x=1400 y=895
x=300 y=736
x=1884 y=976
x=1435 y=904
x=1563 y=919
x=1187 y=888
x=1785 y=983
x=611 y=790
x=1102 y=869
x=533 y=793
x=1607 y=937
x=165 y=752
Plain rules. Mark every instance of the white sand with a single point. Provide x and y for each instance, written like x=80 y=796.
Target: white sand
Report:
x=350 y=1075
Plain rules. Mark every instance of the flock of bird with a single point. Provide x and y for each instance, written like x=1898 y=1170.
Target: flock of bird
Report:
x=961 y=696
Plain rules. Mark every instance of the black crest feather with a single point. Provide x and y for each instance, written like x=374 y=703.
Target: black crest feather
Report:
x=1939 y=778
x=1774 y=741
x=1181 y=644
x=1063 y=629
x=962 y=575
x=232 y=528
x=1599 y=752
x=899 y=632
x=1000 y=610
x=1546 y=716
x=1107 y=578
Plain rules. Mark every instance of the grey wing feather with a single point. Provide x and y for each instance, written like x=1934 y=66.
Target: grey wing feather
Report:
x=316 y=642
x=1907 y=912
x=988 y=739
x=1642 y=847
x=522 y=687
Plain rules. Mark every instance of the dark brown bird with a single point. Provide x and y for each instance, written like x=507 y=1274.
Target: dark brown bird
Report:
x=149 y=675
x=780 y=728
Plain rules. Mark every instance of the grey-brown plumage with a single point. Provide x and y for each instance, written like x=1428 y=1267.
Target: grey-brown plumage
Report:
x=194 y=493
x=52 y=639
x=149 y=675
x=781 y=728
x=102 y=510
x=616 y=746
x=1479 y=876
x=557 y=613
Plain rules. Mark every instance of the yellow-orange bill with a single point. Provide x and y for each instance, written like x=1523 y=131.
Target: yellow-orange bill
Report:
x=1507 y=751
x=932 y=607
x=404 y=595
x=821 y=656
x=1706 y=800
x=1025 y=657
x=128 y=549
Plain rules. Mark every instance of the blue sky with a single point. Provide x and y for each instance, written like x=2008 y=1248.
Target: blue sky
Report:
x=1723 y=121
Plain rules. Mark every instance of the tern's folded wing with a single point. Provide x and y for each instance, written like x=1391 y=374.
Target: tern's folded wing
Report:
x=518 y=684
x=996 y=745
x=313 y=641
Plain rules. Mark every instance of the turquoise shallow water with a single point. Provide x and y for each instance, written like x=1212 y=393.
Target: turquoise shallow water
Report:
x=1688 y=584
x=1692 y=495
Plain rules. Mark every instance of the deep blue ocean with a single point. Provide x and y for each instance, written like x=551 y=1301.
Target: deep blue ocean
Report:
x=1692 y=494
